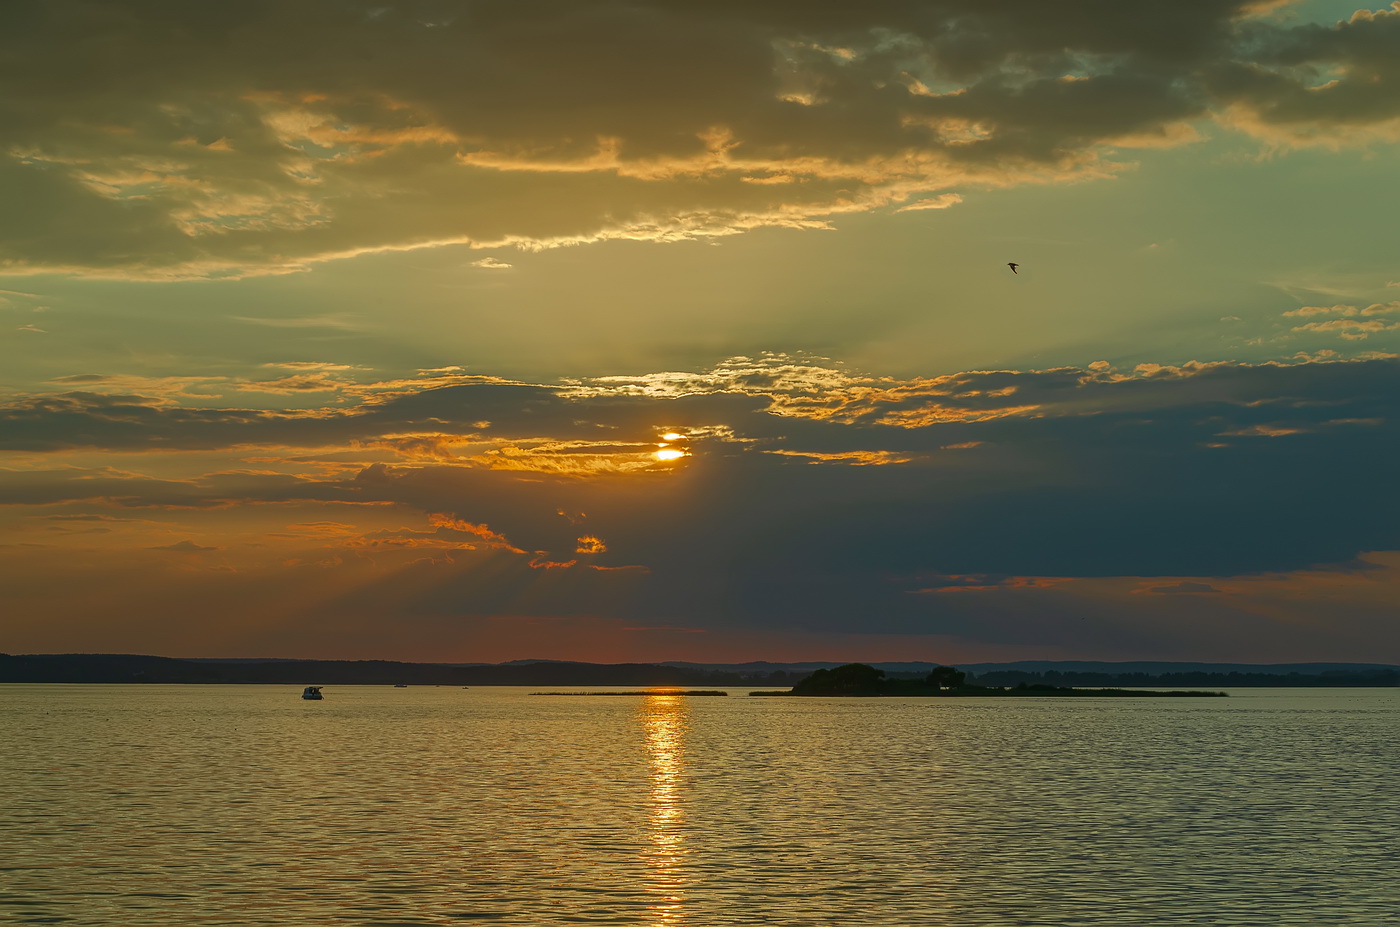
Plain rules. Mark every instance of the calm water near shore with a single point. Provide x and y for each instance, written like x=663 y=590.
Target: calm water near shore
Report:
x=137 y=806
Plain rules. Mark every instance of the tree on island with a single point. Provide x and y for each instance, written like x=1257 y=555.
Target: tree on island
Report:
x=851 y=679
x=946 y=677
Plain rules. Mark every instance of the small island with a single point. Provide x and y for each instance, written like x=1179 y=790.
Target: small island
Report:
x=858 y=679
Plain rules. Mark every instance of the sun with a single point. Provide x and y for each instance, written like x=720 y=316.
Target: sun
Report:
x=667 y=452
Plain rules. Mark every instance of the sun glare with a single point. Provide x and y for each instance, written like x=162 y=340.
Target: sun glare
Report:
x=671 y=453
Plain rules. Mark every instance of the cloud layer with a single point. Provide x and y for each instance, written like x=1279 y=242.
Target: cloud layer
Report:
x=151 y=139
x=802 y=497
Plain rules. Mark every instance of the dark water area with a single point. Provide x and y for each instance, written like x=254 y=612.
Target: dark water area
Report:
x=247 y=806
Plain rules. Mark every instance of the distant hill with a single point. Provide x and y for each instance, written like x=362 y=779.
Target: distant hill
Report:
x=137 y=668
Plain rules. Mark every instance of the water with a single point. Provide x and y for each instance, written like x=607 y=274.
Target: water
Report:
x=139 y=806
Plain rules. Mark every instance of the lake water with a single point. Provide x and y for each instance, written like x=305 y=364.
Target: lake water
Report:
x=137 y=806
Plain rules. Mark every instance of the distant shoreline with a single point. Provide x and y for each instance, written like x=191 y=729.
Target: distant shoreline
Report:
x=136 y=668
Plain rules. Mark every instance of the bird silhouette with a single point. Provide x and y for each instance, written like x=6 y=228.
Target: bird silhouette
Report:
x=1013 y=266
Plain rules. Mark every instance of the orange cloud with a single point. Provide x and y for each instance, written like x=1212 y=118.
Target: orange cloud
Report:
x=439 y=520
x=854 y=458
x=539 y=563
x=1264 y=431
x=1350 y=329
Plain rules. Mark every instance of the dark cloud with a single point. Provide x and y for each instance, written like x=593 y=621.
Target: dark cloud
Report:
x=132 y=490
x=152 y=138
x=1315 y=83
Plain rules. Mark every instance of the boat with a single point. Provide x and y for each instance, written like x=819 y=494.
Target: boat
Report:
x=312 y=692
x=400 y=685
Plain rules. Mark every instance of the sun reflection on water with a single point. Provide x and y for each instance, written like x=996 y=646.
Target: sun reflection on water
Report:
x=664 y=719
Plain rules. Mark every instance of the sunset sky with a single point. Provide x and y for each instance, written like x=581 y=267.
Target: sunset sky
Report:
x=458 y=330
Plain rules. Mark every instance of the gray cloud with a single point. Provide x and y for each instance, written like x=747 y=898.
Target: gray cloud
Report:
x=146 y=138
x=1317 y=84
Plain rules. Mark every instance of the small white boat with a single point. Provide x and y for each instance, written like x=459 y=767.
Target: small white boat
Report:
x=312 y=692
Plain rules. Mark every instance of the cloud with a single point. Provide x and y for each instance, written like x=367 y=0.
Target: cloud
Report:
x=292 y=385
x=318 y=321
x=227 y=143
x=588 y=544
x=1185 y=471
x=1349 y=329
x=933 y=202
x=317 y=366
x=332 y=529
x=491 y=264
x=1100 y=527
x=1315 y=85
x=161 y=390
x=1320 y=310
x=1346 y=311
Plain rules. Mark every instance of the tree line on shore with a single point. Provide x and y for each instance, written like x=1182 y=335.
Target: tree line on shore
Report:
x=131 y=668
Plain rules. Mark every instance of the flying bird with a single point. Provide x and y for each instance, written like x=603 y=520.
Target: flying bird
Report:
x=1013 y=266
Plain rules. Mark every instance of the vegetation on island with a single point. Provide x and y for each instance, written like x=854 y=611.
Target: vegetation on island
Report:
x=858 y=679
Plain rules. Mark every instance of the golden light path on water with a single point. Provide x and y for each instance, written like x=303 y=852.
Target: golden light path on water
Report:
x=664 y=720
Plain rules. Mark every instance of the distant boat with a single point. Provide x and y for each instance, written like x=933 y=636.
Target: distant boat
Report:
x=312 y=692
x=400 y=685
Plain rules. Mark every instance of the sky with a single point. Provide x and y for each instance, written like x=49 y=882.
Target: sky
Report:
x=480 y=330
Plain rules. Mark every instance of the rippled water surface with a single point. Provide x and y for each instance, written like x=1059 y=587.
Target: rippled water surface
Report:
x=128 y=806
